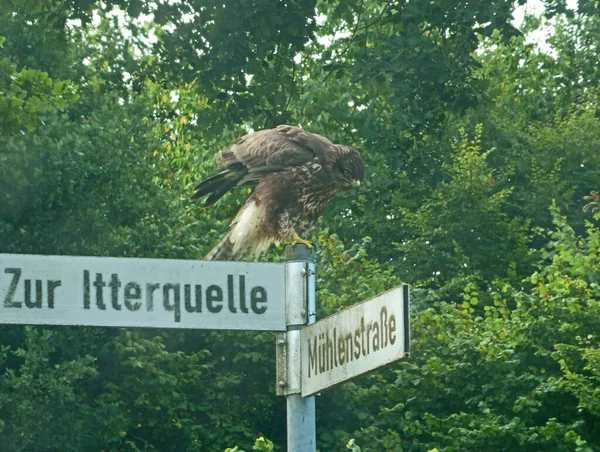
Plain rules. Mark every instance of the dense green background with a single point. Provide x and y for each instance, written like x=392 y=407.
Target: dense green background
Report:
x=479 y=150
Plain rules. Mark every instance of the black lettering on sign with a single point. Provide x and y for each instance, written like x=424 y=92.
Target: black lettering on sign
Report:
x=198 y=298
x=214 y=294
x=9 y=301
x=230 y=295
x=99 y=284
x=348 y=348
x=375 y=336
x=335 y=354
x=258 y=294
x=86 y=289
x=322 y=353
x=312 y=358
x=133 y=291
x=176 y=306
x=243 y=306
x=150 y=288
x=362 y=336
x=32 y=300
x=383 y=316
x=187 y=296
x=332 y=349
x=38 y=294
x=392 y=329
x=341 y=349
x=114 y=285
x=52 y=284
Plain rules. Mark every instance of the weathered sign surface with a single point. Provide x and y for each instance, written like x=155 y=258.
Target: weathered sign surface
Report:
x=106 y=291
x=354 y=341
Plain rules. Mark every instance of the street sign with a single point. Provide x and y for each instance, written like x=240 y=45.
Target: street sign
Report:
x=354 y=341
x=165 y=293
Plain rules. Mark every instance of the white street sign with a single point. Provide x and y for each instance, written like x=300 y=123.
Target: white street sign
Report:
x=354 y=341
x=106 y=291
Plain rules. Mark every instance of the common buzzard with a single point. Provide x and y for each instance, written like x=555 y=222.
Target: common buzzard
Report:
x=295 y=173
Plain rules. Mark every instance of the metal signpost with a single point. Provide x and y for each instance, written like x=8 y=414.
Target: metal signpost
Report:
x=300 y=310
x=166 y=293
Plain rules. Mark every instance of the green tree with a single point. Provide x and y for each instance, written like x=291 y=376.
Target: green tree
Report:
x=517 y=373
x=111 y=111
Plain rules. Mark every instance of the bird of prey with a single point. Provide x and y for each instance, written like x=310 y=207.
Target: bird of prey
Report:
x=294 y=174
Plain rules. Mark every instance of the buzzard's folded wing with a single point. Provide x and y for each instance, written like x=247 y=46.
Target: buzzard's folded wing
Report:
x=260 y=153
x=275 y=149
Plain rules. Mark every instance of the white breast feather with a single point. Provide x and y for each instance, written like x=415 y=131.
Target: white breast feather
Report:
x=247 y=231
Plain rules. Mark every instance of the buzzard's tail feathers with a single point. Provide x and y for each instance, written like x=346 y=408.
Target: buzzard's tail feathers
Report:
x=245 y=237
x=226 y=249
x=217 y=185
x=223 y=251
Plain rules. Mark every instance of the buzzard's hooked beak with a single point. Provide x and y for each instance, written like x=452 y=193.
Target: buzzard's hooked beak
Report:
x=357 y=184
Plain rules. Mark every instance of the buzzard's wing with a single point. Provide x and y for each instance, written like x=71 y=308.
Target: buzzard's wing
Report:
x=275 y=149
x=259 y=153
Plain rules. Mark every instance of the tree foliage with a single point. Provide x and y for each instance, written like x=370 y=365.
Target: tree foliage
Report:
x=481 y=192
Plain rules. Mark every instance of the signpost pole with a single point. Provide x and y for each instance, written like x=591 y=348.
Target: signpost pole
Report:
x=300 y=309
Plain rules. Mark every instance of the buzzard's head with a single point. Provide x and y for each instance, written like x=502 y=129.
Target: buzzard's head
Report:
x=348 y=168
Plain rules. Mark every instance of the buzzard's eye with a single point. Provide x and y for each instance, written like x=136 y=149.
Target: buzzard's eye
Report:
x=347 y=174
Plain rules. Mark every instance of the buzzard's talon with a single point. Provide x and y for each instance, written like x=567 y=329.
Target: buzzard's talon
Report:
x=297 y=239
